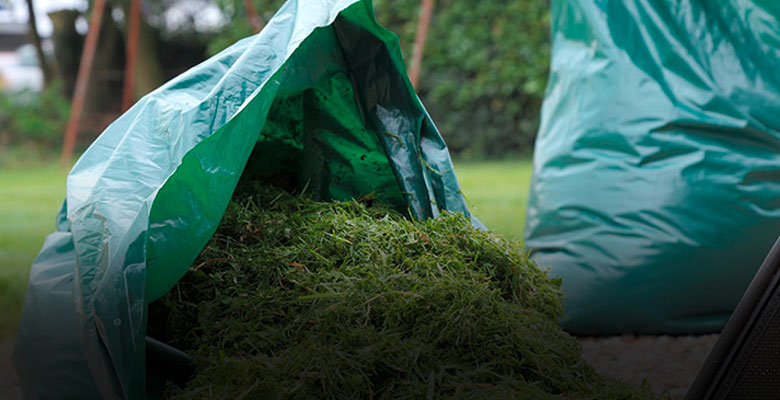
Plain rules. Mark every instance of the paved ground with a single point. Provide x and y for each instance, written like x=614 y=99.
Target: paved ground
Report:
x=9 y=388
x=669 y=364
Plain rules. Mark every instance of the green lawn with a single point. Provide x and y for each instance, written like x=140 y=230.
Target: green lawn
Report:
x=30 y=198
x=29 y=201
x=497 y=193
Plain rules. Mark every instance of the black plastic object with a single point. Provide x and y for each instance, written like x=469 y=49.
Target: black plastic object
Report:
x=745 y=362
x=165 y=364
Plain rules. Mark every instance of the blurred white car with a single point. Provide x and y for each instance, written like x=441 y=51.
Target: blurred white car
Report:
x=19 y=70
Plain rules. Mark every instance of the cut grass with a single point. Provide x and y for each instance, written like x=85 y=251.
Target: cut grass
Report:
x=30 y=196
x=29 y=201
x=294 y=298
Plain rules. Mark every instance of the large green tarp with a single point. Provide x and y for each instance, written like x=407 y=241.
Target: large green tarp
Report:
x=656 y=187
x=319 y=97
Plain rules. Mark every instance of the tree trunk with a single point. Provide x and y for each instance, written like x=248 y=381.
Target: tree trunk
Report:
x=148 y=70
x=131 y=52
x=67 y=47
x=82 y=82
x=426 y=8
x=36 y=39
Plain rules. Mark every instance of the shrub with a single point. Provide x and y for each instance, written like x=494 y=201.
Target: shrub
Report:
x=37 y=119
x=484 y=70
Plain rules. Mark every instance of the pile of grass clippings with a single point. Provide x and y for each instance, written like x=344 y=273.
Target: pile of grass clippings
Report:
x=294 y=298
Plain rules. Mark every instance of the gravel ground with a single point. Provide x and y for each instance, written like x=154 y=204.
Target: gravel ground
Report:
x=669 y=364
x=9 y=386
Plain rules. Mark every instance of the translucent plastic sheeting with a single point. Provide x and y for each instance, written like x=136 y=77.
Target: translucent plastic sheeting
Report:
x=656 y=187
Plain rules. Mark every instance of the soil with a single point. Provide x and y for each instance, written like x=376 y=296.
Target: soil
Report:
x=669 y=364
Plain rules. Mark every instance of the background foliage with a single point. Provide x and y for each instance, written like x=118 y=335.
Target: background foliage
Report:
x=483 y=74
x=484 y=68
x=37 y=119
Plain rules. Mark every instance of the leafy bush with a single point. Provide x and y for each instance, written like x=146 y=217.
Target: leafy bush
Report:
x=484 y=68
x=37 y=119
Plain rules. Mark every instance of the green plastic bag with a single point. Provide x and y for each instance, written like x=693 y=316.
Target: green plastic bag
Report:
x=320 y=96
x=656 y=188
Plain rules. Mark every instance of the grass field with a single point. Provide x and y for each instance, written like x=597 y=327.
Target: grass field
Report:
x=29 y=200
x=497 y=193
x=31 y=196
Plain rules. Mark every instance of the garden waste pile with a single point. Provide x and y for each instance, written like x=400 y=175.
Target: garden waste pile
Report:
x=294 y=298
